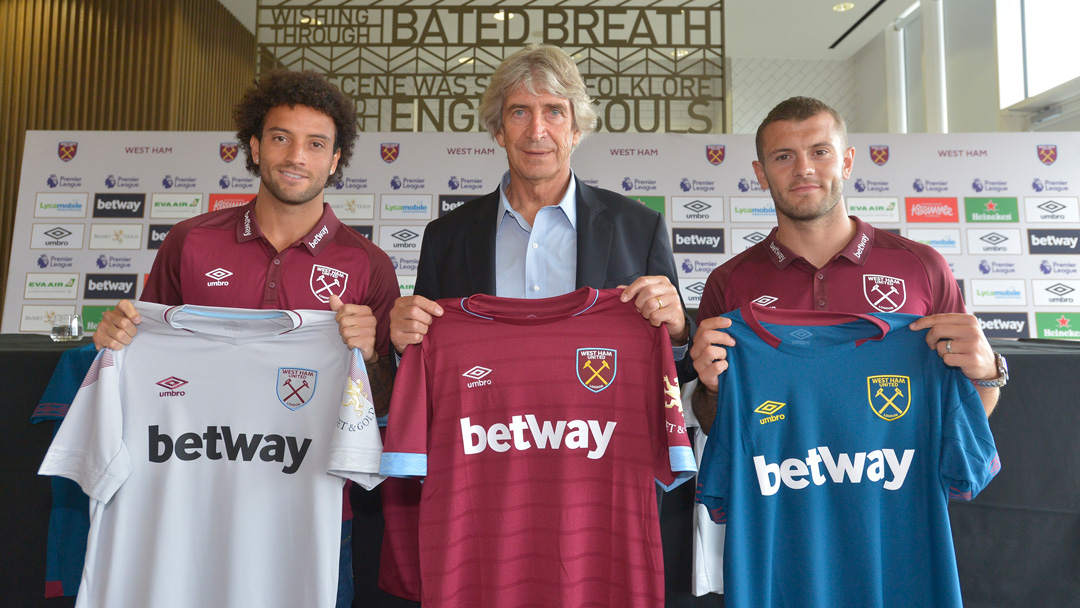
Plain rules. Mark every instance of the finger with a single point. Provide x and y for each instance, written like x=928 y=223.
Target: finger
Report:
x=335 y=303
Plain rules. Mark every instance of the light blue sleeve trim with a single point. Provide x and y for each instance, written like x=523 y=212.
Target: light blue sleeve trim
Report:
x=682 y=464
x=382 y=420
x=680 y=351
x=401 y=464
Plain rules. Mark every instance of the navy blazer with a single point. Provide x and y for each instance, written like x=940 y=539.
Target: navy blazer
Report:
x=618 y=240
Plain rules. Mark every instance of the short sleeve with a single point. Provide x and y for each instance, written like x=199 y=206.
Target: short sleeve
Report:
x=969 y=458
x=679 y=464
x=405 y=450
x=356 y=446
x=89 y=448
x=714 y=477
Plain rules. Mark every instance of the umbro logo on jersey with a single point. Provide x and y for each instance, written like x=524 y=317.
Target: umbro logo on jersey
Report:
x=573 y=434
x=769 y=409
x=793 y=471
x=171 y=384
x=476 y=374
x=765 y=300
x=218 y=275
x=890 y=396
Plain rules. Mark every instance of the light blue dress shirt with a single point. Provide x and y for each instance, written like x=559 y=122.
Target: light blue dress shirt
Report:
x=538 y=261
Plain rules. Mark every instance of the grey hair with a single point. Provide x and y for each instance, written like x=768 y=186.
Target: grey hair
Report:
x=538 y=68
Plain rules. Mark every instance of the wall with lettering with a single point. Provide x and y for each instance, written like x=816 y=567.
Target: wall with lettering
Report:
x=1003 y=208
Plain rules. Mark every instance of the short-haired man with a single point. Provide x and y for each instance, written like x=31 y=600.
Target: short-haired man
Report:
x=285 y=249
x=542 y=233
x=819 y=258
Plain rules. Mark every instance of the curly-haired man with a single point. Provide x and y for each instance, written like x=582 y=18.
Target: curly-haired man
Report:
x=284 y=249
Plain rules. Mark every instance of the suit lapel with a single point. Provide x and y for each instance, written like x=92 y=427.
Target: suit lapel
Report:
x=480 y=247
x=593 y=238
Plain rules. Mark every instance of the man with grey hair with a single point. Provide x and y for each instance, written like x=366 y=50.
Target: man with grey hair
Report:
x=542 y=233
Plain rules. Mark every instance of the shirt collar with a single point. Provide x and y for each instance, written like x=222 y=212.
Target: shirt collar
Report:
x=568 y=204
x=857 y=249
x=317 y=239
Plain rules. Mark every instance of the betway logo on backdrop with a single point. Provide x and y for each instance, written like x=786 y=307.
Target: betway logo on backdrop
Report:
x=1058 y=209
x=1003 y=324
x=932 y=209
x=697 y=240
x=170 y=206
x=449 y=202
x=352 y=206
x=116 y=236
x=60 y=204
x=119 y=205
x=156 y=234
x=874 y=209
x=1054 y=241
x=110 y=286
x=697 y=208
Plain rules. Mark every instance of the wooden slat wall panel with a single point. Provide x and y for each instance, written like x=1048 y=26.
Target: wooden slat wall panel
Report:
x=113 y=65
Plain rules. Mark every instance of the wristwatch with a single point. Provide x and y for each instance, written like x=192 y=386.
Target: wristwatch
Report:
x=1003 y=373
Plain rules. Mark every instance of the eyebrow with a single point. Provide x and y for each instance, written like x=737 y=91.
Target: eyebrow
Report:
x=288 y=132
x=821 y=144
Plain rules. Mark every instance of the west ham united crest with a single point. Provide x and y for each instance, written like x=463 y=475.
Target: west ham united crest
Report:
x=884 y=293
x=890 y=396
x=327 y=281
x=1047 y=154
x=879 y=154
x=295 y=386
x=66 y=150
x=228 y=150
x=596 y=368
x=389 y=152
x=714 y=154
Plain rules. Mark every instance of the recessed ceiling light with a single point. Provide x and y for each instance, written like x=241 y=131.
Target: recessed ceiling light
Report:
x=501 y=16
x=465 y=60
x=843 y=6
x=680 y=53
x=309 y=21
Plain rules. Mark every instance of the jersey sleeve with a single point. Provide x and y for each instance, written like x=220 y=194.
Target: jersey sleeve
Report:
x=679 y=464
x=969 y=458
x=383 y=291
x=712 y=298
x=405 y=451
x=89 y=447
x=163 y=283
x=356 y=446
x=945 y=291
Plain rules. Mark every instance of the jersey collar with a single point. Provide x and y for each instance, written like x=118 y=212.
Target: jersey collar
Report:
x=319 y=238
x=857 y=249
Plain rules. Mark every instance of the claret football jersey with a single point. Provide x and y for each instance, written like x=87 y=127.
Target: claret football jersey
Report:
x=839 y=440
x=541 y=428
x=214 y=448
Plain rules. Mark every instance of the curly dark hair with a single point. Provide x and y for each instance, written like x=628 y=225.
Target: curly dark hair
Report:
x=285 y=88
x=798 y=109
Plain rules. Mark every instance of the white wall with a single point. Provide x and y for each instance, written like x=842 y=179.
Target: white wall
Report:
x=759 y=84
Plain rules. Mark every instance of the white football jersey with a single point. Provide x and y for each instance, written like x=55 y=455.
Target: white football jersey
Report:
x=206 y=448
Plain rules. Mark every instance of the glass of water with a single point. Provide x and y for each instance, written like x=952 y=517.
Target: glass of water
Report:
x=66 y=328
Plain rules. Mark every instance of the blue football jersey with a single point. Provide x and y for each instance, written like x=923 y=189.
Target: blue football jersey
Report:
x=838 y=441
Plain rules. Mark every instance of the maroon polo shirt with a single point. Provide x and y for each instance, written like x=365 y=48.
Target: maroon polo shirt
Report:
x=877 y=271
x=221 y=258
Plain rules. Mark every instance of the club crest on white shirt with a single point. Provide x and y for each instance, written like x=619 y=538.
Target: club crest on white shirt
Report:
x=326 y=281
x=295 y=386
x=884 y=293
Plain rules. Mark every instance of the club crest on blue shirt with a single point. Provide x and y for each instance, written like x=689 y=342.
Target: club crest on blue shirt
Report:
x=596 y=368
x=326 y=281
x=884 y=293
x=295 y=386
x=890 y=396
